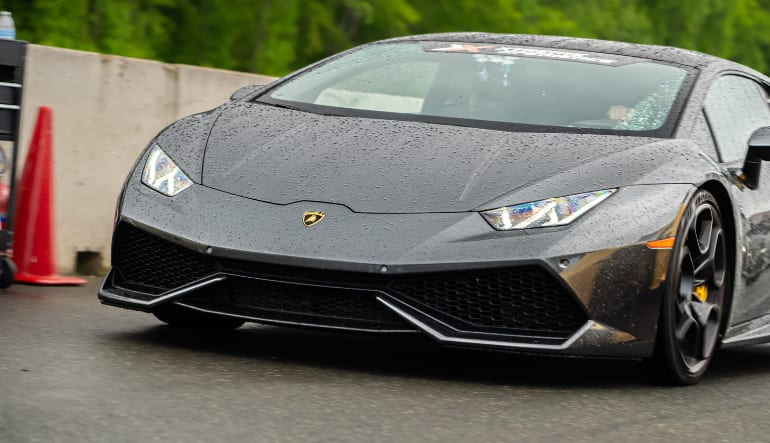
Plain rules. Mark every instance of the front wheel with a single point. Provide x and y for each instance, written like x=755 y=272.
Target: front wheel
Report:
x=693 y=310
x=180 y=317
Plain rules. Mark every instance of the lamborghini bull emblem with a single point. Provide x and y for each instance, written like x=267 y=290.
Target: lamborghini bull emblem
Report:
x=312 y=217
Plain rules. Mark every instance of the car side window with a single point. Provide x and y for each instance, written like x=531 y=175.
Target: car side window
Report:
x=735 y=107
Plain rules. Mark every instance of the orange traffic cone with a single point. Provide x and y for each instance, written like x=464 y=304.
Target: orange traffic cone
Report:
x=33 y=241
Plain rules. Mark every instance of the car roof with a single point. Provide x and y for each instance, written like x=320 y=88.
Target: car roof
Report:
x=666 y=54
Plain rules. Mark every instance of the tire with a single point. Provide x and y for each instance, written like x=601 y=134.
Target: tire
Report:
x=179 y=317
x=7 y=272
x=693 y=310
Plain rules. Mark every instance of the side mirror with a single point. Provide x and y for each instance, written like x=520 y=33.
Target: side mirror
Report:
x=759 y=144
x=245 y=91
x=759 y=151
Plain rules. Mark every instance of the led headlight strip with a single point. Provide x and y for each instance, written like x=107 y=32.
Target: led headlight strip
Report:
x=556 y=211
x=163 y=175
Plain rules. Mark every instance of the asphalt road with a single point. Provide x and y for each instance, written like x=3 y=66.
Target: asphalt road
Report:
x=72 y=370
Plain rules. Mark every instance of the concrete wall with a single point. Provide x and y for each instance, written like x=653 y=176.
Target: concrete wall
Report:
x=106 y=109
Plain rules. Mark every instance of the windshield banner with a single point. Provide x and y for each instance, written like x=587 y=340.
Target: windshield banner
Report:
x=527 y=51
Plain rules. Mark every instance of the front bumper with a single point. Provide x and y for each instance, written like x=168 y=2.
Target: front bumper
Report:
x=403 y=318
x=375 y=304
x=592 y=288
x=524 y=302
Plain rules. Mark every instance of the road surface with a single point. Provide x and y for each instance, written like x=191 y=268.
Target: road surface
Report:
x=72 y=370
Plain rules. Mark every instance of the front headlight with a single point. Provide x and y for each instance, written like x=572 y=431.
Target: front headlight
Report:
x=163 y=175
x=550 y=212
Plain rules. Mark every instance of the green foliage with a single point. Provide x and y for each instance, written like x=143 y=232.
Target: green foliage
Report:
x=277 y=36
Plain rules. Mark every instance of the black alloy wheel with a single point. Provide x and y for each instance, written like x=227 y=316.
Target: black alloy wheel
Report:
x=693 y=312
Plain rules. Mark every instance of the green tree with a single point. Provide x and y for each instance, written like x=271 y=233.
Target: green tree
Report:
x=277 y=36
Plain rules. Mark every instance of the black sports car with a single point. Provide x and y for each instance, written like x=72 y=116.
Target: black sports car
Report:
x=527 y=193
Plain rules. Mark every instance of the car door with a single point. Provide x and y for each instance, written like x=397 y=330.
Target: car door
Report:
x=734 y=108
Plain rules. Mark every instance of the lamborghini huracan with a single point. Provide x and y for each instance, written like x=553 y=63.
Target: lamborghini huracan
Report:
x=526 y=193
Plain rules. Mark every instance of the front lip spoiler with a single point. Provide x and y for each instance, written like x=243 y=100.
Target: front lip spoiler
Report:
x=448 y=339
x=108 y=297
x=590 y=333
x=269 y=321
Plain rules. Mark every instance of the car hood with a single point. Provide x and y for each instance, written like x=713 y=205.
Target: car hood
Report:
x=385 y=166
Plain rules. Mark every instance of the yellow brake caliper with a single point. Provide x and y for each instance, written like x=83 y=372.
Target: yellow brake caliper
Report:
x=702 y=292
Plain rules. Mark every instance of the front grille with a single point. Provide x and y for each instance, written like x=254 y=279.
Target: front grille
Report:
x=341 y=307
x=521 y=300
x=518 y=299
x=154 y=265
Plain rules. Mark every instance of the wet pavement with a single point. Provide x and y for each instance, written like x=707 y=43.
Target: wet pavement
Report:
x=72 y=370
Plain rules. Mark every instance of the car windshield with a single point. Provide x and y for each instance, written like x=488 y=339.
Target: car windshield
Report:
x=476 y=84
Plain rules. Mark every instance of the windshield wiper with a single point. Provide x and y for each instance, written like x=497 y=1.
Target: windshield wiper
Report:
x=282 y=106
x=312 y=110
